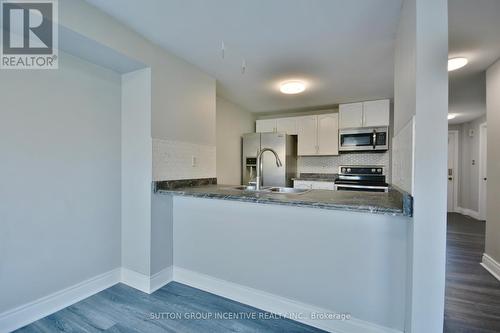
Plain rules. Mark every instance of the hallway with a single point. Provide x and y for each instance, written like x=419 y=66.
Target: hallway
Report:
x=472 y=301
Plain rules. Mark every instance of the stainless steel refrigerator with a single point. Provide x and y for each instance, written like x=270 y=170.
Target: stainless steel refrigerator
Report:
x=286 y=148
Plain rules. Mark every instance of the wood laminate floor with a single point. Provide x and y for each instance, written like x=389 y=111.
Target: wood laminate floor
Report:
x=472 y=301
x=121 y=309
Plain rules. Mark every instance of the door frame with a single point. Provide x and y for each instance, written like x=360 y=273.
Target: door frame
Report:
x=456 y=134
x=482 y=128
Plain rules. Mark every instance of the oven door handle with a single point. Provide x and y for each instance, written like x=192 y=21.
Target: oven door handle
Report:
x=374 y=139
x=385 y=188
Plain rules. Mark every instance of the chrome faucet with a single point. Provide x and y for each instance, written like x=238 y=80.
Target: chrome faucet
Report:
x=258 y=181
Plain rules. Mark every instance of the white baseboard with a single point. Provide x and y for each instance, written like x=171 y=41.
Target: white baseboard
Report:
x=161 y=278
x=468 y=212
x=42 y=307
x=275 y=304
x=135 y=280
x=491 y=265
x=145 y=283
x=28 y=313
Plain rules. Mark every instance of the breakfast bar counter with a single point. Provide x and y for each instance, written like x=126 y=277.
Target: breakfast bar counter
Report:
x=393 y=202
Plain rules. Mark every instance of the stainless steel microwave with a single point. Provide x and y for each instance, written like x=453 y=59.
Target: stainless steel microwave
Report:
x=364 y=139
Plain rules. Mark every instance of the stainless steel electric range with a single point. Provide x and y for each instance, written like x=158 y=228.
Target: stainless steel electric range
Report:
x=369 y=178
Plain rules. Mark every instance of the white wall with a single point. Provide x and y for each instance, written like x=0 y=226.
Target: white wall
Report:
x=493 y=187
x=136 y=170
x=182 y=96
x=181 y=113
x=232 y=122
x=62 y=192
x=59 y=178
x=421 y=89
x=161 y=233
x=405 y=67
x=467 y=97
x=344 y=262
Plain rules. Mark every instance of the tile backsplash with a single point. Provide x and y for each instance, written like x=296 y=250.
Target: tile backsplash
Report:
x=173 y=160
x=330 y=164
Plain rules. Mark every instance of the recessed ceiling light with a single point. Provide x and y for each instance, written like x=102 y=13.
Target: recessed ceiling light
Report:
x=451 y=116
x=292 y=87
x=456 y=63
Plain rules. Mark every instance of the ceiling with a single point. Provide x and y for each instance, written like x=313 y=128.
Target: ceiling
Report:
x=474 y=33
x=342 y=49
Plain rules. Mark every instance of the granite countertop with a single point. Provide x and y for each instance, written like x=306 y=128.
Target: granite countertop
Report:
x=317 y=177
x=393 y=202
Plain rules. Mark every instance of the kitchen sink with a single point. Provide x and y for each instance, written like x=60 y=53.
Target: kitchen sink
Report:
x=251 y=188
x=276 y=190
x=288 y=190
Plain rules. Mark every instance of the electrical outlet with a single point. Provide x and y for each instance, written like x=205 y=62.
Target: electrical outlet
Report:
x=193 y=161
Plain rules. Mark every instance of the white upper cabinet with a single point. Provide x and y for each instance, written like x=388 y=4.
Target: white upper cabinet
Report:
x=287 y=125
x=376 y=113
x=307 y=135
x=365 y=114
x=318 y=135
x=328 y=134
x=265 y=126
x=282 y=125
x=351 y=115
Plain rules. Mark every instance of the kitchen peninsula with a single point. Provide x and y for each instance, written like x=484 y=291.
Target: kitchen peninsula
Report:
x=318 y=251
x=393 y=202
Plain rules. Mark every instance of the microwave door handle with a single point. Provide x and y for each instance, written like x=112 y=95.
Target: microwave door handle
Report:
x=374 y=139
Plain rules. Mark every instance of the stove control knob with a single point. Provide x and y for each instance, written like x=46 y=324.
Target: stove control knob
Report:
x=373 y=170
x=348 y=169
x=379 y=170
x=342 y=170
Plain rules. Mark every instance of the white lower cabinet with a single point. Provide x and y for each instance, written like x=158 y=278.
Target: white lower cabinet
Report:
x=313 y=185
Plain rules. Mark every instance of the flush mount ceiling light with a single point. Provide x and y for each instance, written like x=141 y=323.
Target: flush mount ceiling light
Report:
x=456 y=63
x=451 y=116
x=292 y=87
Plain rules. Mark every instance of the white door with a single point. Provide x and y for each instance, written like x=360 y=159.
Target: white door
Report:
x=307 y=140
x=452 y=137
x=265 y=125
x=482 y=170
x=328 y=134
x=376 y=113
x=287 y=125
x=351 y=115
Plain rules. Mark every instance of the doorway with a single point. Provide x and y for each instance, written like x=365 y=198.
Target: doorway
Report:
x=452 y=170
x=483 y=130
